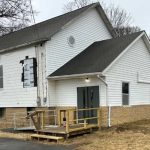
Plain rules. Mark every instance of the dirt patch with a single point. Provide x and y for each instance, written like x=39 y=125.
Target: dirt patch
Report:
x=129 y=136
x=124 y=137
x=18 y=135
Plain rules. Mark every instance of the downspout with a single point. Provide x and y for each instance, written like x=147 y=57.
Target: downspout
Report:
x=107 y=102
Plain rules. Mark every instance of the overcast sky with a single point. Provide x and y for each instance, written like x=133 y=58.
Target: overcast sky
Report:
x=139 y=10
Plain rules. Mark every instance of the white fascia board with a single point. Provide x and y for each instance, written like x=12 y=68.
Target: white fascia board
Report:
x=79 y=16
x=119 y=56
x=146 y=41
x=75 y=76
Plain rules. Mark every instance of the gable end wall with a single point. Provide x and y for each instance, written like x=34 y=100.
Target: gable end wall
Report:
x=86 y=29
x=135 y=61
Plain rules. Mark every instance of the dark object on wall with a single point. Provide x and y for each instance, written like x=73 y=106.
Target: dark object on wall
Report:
x=29 y=72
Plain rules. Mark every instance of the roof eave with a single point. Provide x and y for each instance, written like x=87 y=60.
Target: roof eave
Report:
x=25 y=44
x=104 y=17
x=72 y=20
x=83 y=75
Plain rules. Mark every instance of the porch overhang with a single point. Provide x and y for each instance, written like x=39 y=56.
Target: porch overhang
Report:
x=83 y=75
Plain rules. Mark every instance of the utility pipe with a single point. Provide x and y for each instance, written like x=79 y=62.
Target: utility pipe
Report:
x=107 y=102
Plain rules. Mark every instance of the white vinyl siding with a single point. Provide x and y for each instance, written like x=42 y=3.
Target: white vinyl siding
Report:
x=86 y=29
x=127 y=68
x=13 y=94
x=64 y=92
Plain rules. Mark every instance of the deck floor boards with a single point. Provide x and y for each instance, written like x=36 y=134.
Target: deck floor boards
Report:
x=62 y=130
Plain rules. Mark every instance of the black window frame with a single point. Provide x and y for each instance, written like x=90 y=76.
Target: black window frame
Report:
x=125 y=93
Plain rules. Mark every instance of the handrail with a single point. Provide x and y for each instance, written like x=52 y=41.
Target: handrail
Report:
x=40 y=119
x=83 y=119
x=68 y=121
x=80 y=109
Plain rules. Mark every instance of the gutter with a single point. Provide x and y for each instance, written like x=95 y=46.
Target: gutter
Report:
x=73 y=76
x=107 y=102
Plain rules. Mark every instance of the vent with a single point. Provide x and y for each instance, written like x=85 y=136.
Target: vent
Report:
x=71 y=41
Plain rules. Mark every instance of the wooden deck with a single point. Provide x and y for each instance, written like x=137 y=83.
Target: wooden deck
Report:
x=67 y=128
x=62 y=130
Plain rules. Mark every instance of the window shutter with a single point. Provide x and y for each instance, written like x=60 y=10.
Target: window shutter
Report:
x=1 y=76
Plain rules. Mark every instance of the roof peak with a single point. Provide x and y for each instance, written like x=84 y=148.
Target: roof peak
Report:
x=47 y=28
x=56 y=17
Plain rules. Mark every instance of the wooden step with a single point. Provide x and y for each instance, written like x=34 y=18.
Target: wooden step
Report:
x=48 y=137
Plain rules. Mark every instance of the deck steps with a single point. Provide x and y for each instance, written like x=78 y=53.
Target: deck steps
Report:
x=48 y=137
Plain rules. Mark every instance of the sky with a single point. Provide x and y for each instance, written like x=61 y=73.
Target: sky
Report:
x=138 y=9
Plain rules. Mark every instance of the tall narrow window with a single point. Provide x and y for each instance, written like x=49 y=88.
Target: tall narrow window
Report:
x=1 y=76
x=125 y=93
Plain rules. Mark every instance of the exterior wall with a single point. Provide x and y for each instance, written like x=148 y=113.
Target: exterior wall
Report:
x=86 y=29
x=8 y=120
x=14 y=117
x=134 y=62
x=13 y=94
x=64 y=92
x=120 y=115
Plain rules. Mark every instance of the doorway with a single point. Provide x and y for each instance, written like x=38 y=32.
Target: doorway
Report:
x=88 y=97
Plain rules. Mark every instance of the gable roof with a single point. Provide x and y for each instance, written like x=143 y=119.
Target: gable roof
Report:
x=96 y=57
x=44 y=30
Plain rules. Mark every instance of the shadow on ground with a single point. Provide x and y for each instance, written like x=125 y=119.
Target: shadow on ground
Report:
x=12 y=144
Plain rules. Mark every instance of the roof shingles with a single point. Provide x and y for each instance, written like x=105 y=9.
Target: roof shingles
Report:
x=44 y=30
x=96 y=57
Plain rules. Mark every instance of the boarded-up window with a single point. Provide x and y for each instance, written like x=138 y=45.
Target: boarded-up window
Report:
x=1 y=76
x=125 y=93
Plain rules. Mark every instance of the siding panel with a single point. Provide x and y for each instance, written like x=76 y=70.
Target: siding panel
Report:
x=135 y=60
x=13 y=94
x=86 y=30
x=66 y=91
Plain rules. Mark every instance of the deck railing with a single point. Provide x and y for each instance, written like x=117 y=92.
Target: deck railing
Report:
x=66 y=118
x=73 y=124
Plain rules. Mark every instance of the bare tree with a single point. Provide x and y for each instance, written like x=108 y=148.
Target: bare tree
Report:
x=76 y=4
x=14 y=15
x=119 y=18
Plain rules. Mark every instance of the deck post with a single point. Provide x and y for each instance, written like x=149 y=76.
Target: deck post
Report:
x=67 y=121
x=43 y=119
x=59 y=118
x=98 y=118
x=85 y=123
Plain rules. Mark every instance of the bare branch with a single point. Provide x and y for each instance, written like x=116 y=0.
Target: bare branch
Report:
x=119 y=18
x=14 y=15
x=76 y=4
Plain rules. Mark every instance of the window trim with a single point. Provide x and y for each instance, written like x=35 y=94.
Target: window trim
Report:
x=124 y=93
